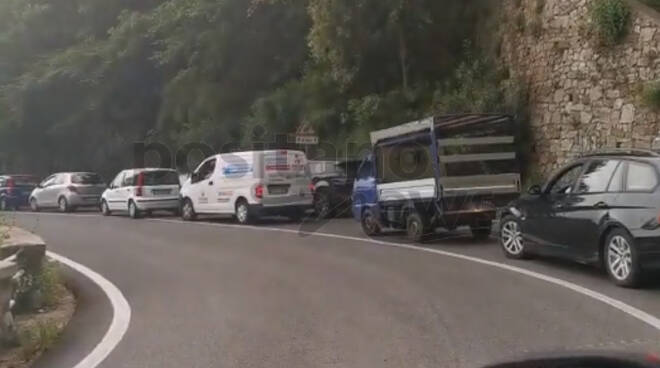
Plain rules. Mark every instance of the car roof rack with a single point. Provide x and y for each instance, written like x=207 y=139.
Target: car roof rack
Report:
x=639 y=152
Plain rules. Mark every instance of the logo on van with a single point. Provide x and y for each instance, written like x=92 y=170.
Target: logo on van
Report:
x=237 y=169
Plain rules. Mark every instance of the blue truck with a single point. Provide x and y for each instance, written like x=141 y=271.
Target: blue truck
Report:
x=440 y=172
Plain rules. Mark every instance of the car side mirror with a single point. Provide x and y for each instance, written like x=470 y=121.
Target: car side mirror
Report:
x=534 y=190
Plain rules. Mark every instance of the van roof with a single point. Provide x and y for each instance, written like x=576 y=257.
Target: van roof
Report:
x=263 y=152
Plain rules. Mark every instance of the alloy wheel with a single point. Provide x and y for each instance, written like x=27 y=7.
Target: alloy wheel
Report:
x=619 y=258
x=512 y=240
x=62 y=205
x=188 y=210
x=242 y=213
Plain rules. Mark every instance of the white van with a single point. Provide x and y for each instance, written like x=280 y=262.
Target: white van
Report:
x=140 y=191
x=249 y=185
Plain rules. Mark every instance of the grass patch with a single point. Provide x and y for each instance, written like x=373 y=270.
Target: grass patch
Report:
x=38 y=338
x=610 y=19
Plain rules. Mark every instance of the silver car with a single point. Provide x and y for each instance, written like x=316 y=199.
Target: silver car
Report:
x=68 y=191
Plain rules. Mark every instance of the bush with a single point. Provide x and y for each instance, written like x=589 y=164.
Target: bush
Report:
x=610 y=19
x=651 y=95
x=37 y=338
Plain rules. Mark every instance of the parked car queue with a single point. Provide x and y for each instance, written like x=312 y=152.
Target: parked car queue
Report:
x=601 y=209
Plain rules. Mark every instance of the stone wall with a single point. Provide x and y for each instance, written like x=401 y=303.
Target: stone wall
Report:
x=583 y=95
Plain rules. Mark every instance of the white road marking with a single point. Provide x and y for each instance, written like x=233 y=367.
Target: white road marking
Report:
x=615 y=303
x=121 y=313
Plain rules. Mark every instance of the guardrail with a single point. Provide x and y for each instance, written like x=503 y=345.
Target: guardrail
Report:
x=21 y=258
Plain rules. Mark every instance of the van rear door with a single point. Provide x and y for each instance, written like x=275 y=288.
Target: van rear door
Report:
x=286 y=179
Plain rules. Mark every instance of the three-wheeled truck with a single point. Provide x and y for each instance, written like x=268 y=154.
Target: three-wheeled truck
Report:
x=441 y=172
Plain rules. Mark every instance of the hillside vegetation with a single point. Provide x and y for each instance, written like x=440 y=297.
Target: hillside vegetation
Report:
x=82 y=80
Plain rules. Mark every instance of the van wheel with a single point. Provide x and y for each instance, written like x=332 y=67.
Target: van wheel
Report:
x=370 y=224
x=133 y=211
x=243 y=215
x=63 y=205
x=34 y=206
x=188 y=211
x=621 y=259
x=105 y=210
x=417 y=227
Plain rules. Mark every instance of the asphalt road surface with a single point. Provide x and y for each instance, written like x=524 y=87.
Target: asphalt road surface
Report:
x=210 y=295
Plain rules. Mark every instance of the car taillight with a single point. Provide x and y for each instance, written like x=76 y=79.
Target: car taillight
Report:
x=140 y=184
x=72 y=189
x=259 y=191
x=10 y=186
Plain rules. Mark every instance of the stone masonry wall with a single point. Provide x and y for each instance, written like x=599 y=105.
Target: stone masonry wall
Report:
x=583 y=96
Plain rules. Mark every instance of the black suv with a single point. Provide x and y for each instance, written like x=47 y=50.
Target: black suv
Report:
x=601 y=209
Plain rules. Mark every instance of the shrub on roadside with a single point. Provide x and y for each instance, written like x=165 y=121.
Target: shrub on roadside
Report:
x=651 y=95
x=41 y=290
x=38 y=337
x=610 y=19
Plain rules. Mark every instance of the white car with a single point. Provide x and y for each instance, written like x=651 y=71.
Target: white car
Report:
x=248 y=185
x=140 y=191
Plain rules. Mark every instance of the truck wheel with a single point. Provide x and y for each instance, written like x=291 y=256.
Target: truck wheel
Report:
x=370 y=224
x=481 y=230
x=417 y=227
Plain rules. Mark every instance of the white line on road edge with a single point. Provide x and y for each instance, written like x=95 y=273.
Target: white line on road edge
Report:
x=121 y=313
x=615 y=303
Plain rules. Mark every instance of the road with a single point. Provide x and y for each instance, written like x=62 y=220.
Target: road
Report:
x=211 y=294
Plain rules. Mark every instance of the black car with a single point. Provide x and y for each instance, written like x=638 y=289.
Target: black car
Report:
x=601 y=209
x=15 y=190
x=333 y=186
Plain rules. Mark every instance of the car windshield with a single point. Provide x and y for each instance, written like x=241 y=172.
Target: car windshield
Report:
x=161 y=177
x=86 y=179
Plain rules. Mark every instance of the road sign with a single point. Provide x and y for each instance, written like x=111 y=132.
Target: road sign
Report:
x=305 y=135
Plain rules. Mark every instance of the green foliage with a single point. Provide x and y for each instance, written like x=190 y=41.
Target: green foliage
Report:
x=651 y=95
x=105 y=74
x=38 y=337
x=50 y=283
x=610 y=19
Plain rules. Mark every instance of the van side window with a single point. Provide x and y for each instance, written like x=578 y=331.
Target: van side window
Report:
x=205 y=171
x=117 y=182
x=129 y=179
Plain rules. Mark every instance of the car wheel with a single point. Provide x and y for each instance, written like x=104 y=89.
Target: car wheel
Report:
x=417 y=227
x=511 y=238
x=322 y=204
x=105 y=210
x=481 y=230
x=243 y=215
x=63 y=205
x=370 y=224
x=34 y=206
x=621 y=260
x=133 y=211
x=188 y=211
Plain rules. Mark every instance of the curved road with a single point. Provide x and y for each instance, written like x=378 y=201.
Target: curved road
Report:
x=211 y=295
